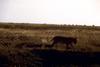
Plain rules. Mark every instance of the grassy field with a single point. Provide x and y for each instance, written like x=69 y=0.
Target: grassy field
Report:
x=17 y=40
x=13 y=35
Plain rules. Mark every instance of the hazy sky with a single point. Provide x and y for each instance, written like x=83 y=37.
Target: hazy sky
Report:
x=51 y=11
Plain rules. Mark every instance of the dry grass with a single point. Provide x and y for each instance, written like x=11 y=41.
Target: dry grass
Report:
x=14 y=39
x=88 y=39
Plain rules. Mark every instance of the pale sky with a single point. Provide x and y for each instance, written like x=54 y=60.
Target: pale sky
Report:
x=51 y=11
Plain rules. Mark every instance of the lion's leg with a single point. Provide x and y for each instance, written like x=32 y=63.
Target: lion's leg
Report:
x=53 y=44
x=67 y=46
x=71 y=45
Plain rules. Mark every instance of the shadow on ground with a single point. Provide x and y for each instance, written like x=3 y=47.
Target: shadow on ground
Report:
x=50 y=58
x=54 y=57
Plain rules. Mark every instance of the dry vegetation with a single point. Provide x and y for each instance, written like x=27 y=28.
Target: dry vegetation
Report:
x=12 y=35
x=14 y=39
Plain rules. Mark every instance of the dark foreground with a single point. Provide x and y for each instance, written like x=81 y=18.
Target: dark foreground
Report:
x=52 y=58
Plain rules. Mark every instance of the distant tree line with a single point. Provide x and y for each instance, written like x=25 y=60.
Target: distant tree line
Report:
x=46 y=26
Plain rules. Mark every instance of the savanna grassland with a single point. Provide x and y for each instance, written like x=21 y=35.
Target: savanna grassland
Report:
x=17 y=41
x=14 y=34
